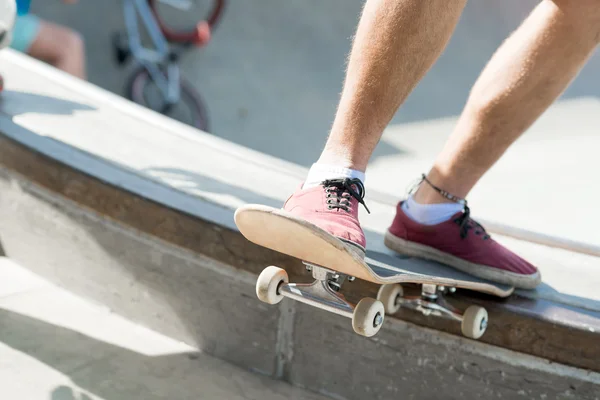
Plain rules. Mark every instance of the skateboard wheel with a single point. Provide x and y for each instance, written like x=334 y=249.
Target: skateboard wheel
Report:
x=368 y=317
x=474 y=322
x=267 y=285
x=390 y=296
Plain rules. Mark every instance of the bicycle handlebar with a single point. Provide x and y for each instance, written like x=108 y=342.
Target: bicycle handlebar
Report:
x=200 y=34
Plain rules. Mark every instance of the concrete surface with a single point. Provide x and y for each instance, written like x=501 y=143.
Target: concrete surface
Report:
x=183 y=295
x=56 y=346
x=274 y=70
x=408 y=363
x=212 y=305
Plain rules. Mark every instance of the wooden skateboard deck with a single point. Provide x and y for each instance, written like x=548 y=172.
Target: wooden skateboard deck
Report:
x=281 y=231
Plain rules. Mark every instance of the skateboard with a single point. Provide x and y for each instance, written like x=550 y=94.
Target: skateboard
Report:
x=333 y=262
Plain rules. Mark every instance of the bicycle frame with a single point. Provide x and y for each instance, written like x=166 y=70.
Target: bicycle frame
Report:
x=152 y=58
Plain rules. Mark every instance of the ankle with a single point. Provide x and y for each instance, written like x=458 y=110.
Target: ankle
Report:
x=436 y=189
x=430 y=214
x=341 y=157
x=425 y=194
x=320 y=172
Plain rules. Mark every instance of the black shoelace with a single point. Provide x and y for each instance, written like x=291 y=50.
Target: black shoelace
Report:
x=466 y=223
x=340 y=191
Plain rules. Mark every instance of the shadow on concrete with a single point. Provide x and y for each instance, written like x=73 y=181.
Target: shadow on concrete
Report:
x=113 y=372
x=103 y=369
x=565 y=301
x=206 y=187
x=67 y=393
x=13 y=102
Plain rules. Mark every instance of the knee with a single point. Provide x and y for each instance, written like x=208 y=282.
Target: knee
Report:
x=67 y=45
x=72 y=44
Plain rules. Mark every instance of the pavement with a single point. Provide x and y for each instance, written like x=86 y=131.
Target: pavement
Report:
x=56 y=346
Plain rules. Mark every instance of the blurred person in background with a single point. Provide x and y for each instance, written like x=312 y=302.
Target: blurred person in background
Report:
x=55 y=44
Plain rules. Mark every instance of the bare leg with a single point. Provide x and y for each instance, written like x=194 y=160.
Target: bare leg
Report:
x=396 y=43
x=60 y=47
x=527 y=73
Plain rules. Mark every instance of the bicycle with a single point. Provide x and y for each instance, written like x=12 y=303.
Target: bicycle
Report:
x=156 y=82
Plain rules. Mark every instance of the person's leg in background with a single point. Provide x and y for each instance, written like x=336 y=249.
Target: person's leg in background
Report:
x=57 y=45
x=527 y=73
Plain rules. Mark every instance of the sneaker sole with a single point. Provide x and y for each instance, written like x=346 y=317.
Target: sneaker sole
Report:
x=283 y=232
x=413 y=249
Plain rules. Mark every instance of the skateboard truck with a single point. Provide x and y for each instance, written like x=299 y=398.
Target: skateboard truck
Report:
x=431 y=301
x=367 y=316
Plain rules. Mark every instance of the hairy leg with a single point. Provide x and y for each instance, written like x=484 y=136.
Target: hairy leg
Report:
x=527 y=73
x=396 y=43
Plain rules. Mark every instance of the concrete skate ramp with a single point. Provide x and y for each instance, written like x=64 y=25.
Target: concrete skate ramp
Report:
x=135 y=211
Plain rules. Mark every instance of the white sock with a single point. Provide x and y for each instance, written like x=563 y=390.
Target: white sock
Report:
x=321 y=172
x=430 y=214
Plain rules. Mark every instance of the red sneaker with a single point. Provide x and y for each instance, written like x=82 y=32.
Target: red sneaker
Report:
x=333 y=207
x=463 y=244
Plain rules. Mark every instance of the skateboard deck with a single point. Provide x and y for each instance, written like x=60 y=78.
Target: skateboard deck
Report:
x=329 y=258
x=281 y=231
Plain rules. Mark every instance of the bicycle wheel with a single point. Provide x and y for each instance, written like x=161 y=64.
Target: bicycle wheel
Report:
x=190 y=109
x=180 y=20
